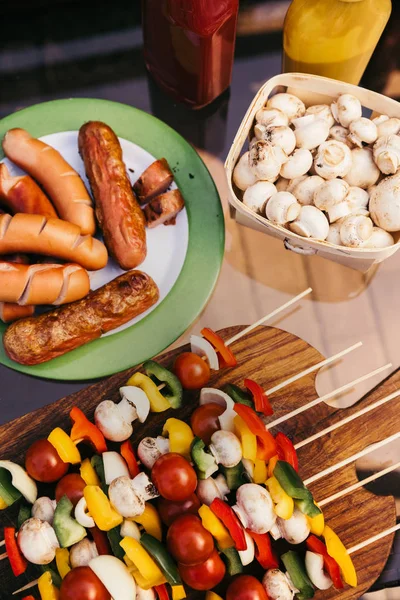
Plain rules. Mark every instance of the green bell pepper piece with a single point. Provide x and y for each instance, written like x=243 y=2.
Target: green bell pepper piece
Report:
x=67 y=530
x=114 y=537
x=173 y=390
x=205 y=463
x=98 y=465
x=238 y=395
x=162 y=558
x=24 y=514
x=8 y=492
x=293 y=485
x=236 y=476
x=232 y=561
x=297 y=572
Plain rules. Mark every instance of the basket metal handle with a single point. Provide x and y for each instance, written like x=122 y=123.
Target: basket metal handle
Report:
x=299 y=249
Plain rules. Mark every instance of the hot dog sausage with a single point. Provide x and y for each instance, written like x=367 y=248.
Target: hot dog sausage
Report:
x=61 y=182
x=23 y=195
x=155 y=180
x=38 y=339
x=12 y=312
x=118 y=213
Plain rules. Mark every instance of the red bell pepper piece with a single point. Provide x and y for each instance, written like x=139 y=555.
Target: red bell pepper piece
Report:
x=162 y=592
x=264 y=552
x=128 y=454
x=223 y=511
x=18 y=562
x=101 y=541
x=28 y=598
x=226 y=356
x=330 y=564
x=266 y=444
x=84 y=429
x=286 y=450
x=260 y=398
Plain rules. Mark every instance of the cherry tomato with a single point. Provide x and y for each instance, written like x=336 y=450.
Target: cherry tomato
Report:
x=82 y=584
x=192 y=371
x=174 y=477
x=204 y=576
x=169 y=511
x=188 y=541
x=204 y=421
x=43 y=463
x=246 y=587
x=72 y=485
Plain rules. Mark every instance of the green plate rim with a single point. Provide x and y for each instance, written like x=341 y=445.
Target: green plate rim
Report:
x=199 y=274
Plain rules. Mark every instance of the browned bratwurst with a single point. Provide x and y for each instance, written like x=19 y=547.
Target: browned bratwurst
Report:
x=155 y=180
x=35 y=340
x=118 y=212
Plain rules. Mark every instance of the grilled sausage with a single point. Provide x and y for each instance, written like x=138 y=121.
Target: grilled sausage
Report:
x=23 y=195
x=155 y=180
x=164 y=209
x=119 y=215
x=38 y=339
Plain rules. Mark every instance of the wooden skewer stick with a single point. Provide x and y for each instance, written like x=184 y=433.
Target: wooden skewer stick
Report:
x=373 y=539
x=3 y=556
x=360 y=413
x=345 y=387
x=2 y=543
x=359 y=484
x=319 y=365
x=352 y=458
x=269 y=316
x=28 y=586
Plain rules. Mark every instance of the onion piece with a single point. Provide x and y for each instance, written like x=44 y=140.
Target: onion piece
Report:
x=21 y=480
x=208 y=395
x=247 y=556
x=202 y=347
x=82 y=515
x=315 y=571
x=129 y=529
x=134 y=403
x=115 y=577
x=114 y=466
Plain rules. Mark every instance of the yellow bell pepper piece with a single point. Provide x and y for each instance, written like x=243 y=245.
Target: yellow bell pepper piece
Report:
x=65 y=447
x=3 y=505
x=148 y=569
x=271 y=465
x=284 y=504
x=47 y=590
x=316 y=524
x=260 y=471
x=157 y=401
x=140 y=580
x=337 y=550
x=215 y=527
x=88 y=473
x=178 y=592
x=62 y=562
x=212 y=596
x=150 y=520
x=100 y=509
x=247 y=439
x=180 y=436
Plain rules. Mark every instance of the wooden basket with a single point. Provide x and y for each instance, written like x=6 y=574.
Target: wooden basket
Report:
x=312 y=90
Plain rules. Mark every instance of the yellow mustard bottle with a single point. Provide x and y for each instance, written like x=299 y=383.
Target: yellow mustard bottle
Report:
x=333 y=38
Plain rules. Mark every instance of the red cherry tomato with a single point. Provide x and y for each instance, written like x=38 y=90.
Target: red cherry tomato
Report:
x=82 y=584
x=246 y=587
x=204 y=421
x=72 y=485
x=192 y=371
x=174 y=477
x=204 y=576
x=188 y=541
x=43 y=463
x=169 y=511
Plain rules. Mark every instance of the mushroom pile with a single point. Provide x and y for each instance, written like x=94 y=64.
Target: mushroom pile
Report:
x=324 y=172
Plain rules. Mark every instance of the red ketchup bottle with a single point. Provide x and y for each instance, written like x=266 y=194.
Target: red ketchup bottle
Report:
x=189 y=47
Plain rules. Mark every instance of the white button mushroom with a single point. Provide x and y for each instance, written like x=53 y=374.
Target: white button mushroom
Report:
x=281 y=184
x=322 y=111
x=208 y=489
x=282 y=208
x=130 y=529
x=346 y=109
x=271 y=117
x=354 y=230
x=333 y=159
x=384 y=204
x=363 y=172
x=142 y=594
x=82 y=553
x=82 y=514
x=305 y=189
x=293 y=183
x=311 y=223
x=226 y=448
x=297 y=164
x=256 y=196
x=37 y=541
x=387 y=154
x=310 y=131
x=296 y=529
x=43 y=509
x=379 y=238
x=292 y=106
x=277 y=585
x=277 y=136
x=255 y=508
x=340 y=134
x=124 y=498
x=334 y=233
x=363 y=131
x=150 y=449
x=243 y=176
x=357 y=199
x=266 y=160
x=331 y=197
x=387 y=126
x=115 y=420
x=144 y=487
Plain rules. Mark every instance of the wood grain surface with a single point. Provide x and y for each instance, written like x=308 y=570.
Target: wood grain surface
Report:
x=269 y=356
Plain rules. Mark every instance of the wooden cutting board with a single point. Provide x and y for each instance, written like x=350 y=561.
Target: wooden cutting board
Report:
x=269 y=356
